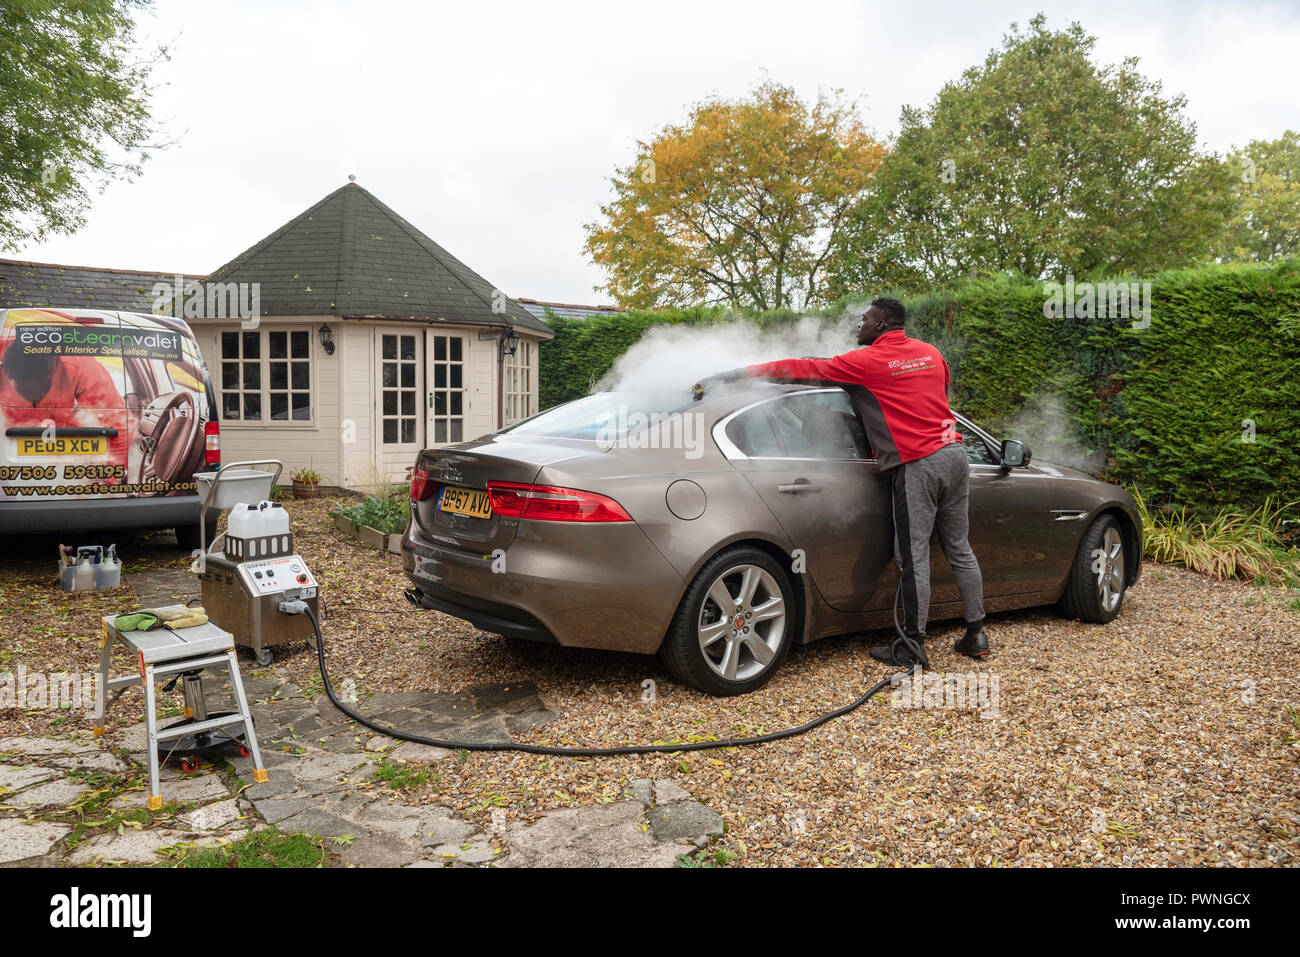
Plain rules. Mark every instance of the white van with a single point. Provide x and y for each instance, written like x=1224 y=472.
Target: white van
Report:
x=106 y=417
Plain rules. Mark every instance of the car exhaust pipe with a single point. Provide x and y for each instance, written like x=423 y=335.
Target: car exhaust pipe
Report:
x=415 y=597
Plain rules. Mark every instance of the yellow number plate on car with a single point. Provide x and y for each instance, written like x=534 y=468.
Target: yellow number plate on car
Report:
x=465 y=501
x=61 y=446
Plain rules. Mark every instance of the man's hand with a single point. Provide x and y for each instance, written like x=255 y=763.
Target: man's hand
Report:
x=717 y=379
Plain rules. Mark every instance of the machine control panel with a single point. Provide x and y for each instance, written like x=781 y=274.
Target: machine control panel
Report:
x=273 y=576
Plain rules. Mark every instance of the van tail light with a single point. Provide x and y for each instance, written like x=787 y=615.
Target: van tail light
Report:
x=549 y=503
x=212 y=443
x=421 y=487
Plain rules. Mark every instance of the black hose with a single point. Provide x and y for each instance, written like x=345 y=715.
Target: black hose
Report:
x=917 y=648
x=589 y=752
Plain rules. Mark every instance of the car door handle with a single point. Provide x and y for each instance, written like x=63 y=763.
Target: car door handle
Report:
x=800 y=485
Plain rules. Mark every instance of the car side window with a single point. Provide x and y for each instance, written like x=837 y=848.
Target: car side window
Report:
x=819 y=425
x=977 y=450
x=751 y=432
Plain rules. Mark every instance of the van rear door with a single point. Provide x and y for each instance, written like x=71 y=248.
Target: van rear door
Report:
x=66 y=430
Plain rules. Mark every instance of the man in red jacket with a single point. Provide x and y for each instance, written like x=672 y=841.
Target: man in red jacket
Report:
x=913 y=433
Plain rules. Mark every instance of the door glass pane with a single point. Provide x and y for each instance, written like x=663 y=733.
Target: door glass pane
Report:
x=279 y=406
x=277 y=344
x=230 y=345
x=279 y=375
x=252 y=406
x=389 y=347
x=252 y=375
x=390 y=431
x=252 y=345
x=301 y=375
x=408 y=348
x=302 y=406
x=300 y=345
x=818 y=425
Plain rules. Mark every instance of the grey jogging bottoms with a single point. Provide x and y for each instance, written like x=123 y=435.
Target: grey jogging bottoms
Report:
x=934 y=493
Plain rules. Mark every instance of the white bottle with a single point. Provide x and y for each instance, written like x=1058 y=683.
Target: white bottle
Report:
x=85 y=579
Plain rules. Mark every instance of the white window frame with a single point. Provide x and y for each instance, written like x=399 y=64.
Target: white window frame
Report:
x=520 y=371
x=264 y=389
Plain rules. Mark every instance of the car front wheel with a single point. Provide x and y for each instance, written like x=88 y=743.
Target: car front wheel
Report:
x=1095 y=589
x=734 y=626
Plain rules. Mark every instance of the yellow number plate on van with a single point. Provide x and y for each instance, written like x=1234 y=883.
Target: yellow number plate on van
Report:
x=61 y=446
x=465 y=501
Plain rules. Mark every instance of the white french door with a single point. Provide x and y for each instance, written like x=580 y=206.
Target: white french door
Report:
x=446 y=372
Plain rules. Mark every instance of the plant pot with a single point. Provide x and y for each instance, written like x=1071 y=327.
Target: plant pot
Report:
x=305 y=490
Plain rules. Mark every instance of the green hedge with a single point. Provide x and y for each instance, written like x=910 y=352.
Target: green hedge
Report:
x=1162 y=407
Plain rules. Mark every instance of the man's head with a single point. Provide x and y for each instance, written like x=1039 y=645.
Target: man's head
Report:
x=30 y=373
x=883 y=315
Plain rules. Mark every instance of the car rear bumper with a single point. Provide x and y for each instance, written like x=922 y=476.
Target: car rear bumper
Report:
x=97 y=514
x=582 y=586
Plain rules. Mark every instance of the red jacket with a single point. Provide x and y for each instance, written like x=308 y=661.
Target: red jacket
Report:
x=905 y=409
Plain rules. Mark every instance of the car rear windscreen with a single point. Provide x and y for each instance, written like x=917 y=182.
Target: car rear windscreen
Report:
x=606 y=415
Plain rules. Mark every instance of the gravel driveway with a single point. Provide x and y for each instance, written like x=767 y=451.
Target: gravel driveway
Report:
x=1167 y=737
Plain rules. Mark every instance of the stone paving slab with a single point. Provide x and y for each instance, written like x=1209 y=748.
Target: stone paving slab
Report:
x=14 y=777
x=20 y=840
x=61 y=791
x=321 y=767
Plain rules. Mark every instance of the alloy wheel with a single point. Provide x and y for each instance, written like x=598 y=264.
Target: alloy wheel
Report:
x=742 y=622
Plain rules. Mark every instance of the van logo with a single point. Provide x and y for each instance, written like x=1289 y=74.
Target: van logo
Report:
x=452 y=475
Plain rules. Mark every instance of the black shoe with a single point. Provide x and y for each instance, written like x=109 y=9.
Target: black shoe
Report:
x=897 y=654
x=974 y=643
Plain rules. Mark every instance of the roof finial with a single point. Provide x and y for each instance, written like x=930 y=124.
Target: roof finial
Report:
x=352 y=177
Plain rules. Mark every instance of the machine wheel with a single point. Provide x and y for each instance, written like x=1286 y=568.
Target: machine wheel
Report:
x=1094 y=590
x=243 y=751
x=263 y=657
x=734 y=626
x=189 y=765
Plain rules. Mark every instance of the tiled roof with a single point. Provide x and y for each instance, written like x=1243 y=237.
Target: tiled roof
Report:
x=539 y=308
x=352 y=256
x=79 y=287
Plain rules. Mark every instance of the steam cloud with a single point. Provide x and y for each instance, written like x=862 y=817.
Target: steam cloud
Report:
x=670 y=356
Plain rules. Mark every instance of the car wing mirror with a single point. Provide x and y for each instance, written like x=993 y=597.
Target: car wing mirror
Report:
x=1014 y=453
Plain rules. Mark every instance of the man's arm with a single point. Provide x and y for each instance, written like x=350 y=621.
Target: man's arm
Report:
x=847 y=368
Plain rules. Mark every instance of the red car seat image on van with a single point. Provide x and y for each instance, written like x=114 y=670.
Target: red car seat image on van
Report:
x=68 y=391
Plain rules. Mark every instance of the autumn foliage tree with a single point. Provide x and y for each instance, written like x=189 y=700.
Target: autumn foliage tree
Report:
x=739 y=205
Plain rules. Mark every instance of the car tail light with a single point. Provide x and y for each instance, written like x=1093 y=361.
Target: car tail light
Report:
x=421 y=488
x=549 y=503
x=212 y=443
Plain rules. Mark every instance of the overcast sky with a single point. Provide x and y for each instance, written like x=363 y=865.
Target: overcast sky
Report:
x=494 y=127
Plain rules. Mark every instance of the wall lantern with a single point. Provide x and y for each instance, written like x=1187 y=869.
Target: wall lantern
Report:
x=510 y=343
x=327 y=339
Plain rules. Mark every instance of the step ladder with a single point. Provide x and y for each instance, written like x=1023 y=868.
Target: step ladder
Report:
x=185 y=653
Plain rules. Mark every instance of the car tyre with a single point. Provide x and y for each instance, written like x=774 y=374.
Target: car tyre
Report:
x=1094 y=589
x=734 y=649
